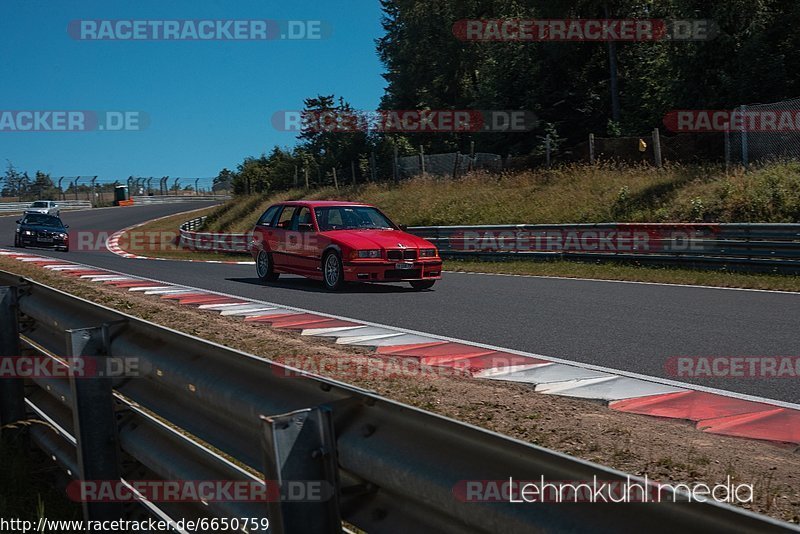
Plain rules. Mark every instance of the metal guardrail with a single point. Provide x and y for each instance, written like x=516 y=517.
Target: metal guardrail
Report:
x=14 y=207
x=169 y=199
x=201 y=411
x=745 y=247
x=212 y=241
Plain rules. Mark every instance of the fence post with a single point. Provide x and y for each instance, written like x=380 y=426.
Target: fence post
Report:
x=353 y=171
x=92 y=190
x=296 y=178
x=657 y=147
x=591 y=149
x=422 y=159
x=471 y=156
x=94 y=418
x=12 y=390
x=372 y=166
x=335 y=180
x=306 y=173
x=396 y=166
x=455 y=166
x=299 y=448
x=547 y=150
x=727 y=149
x=745 y=147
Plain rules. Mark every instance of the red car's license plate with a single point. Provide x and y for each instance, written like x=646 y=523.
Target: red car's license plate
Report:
x=404 y=266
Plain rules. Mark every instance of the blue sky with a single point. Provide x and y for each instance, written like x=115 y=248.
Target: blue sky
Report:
x=209 y=102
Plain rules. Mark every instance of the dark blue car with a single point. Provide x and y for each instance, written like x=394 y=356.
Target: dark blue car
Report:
x=40 y=230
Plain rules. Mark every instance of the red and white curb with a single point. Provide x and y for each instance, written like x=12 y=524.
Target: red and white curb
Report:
x=713 y=411
x=113 y=246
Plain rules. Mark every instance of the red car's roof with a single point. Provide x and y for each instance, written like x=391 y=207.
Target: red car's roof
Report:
x=321 y=203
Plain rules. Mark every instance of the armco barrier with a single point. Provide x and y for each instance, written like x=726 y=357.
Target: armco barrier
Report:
x=753 y=247
x=743 y=247
x=212 y=242
x=169 y=199
x=197 y=411
x=19 y=207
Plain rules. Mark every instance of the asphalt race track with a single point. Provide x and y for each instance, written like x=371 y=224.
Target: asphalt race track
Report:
x=631 y=327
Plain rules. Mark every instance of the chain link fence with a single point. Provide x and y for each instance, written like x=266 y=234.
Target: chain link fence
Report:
x=454 y=164
x=776 y=135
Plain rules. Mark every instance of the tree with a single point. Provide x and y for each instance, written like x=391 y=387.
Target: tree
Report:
x=16 y=184
x=43 y=186
x=224 y=180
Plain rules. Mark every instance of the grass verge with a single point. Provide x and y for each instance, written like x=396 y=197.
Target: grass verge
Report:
x=664 y=450
x=159 y=239
x=632 y=273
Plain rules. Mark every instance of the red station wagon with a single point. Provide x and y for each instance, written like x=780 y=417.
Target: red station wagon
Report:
x=339 y=242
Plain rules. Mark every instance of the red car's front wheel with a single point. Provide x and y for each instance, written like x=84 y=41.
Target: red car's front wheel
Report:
x=332 y=271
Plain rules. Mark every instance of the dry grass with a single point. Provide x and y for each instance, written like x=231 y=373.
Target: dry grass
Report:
x=568 y=194
x=633 y=273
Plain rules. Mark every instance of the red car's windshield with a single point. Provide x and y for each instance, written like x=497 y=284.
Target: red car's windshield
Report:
x=351 y=218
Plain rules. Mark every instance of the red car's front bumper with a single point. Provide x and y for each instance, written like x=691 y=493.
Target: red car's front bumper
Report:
x=383 y=271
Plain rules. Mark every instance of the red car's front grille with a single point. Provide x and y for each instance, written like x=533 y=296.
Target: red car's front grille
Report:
x=405 y=254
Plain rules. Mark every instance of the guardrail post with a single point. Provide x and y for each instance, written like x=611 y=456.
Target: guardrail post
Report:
x=12 y=390
x=300 y=456
x=94 y=420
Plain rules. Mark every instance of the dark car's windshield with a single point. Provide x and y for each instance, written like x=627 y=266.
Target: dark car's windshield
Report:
x=43 y=220
x=352 y=218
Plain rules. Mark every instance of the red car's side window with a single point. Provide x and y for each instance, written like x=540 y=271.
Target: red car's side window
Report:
x=269 y=216
x=285 y=220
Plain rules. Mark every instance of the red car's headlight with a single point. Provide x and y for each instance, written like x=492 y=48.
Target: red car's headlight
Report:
x=366 y=254
x=427 y=253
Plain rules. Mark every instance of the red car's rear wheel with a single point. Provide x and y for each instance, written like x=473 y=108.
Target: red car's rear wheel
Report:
x=265 y=268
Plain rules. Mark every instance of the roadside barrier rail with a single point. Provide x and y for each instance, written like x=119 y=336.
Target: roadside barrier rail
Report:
x=749 y=247
x=13 y=207
x=199 y=411
x=172 y=199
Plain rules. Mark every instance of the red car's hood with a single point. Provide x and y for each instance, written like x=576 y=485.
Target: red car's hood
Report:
x=375 y=239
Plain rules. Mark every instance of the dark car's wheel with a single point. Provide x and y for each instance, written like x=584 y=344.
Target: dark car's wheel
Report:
x=420 y=285
x=265 y=268
x=18 y=243
x=332 y=271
